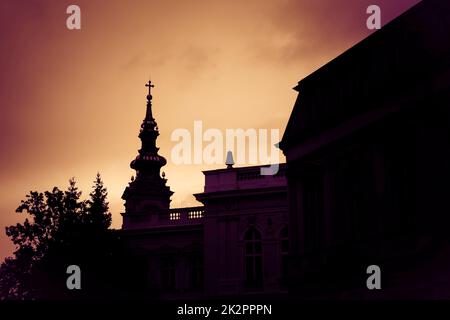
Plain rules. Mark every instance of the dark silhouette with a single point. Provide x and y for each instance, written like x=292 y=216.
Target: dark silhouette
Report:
x=212 y=250
x=148 y=194
x=63 y=230
x=366 y=184
x=367 y=149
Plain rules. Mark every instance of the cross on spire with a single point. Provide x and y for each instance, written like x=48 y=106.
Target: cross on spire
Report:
x=150 y=86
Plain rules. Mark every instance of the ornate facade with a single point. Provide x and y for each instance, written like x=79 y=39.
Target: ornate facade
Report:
x=236 y=243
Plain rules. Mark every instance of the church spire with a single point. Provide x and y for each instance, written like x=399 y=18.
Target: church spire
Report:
x=148 y=162
x=147 y=197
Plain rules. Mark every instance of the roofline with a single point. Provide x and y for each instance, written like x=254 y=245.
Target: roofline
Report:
x=206 y=172
x=360 y=45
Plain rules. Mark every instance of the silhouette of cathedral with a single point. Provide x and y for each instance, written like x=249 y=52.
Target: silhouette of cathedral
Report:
x=366 y=183
x=235 y=244
x=368 y=156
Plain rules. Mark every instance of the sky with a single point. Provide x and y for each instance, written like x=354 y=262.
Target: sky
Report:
x=72 y=101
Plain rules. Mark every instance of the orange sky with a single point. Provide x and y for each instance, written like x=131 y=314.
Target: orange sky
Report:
x=72 y=101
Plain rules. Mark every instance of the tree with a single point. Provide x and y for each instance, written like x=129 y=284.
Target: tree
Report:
x=33 y=239
x=97 y=214
x=62 y=230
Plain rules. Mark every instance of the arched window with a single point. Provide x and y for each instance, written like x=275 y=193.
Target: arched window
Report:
x=253 y=258
x=195 y=277
x=168 y=272
x=284 y=250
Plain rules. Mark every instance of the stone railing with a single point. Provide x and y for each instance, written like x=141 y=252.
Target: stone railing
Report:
x=186 y=215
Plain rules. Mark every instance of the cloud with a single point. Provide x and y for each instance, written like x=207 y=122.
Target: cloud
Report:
x=307 y=30
x=196 y=59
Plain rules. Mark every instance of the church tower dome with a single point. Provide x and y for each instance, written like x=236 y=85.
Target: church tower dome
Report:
x=147 y=198
x=148 y=161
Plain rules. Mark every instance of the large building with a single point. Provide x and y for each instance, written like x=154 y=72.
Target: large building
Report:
x=236 y=243
x=366 y=183
x=368 y=156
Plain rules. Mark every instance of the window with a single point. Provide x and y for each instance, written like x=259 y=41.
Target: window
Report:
x=168 y=269
x=253 y=258
x=195 y=272
x=284 y=250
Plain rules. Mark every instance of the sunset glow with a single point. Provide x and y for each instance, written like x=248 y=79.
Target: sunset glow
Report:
x=72 y=100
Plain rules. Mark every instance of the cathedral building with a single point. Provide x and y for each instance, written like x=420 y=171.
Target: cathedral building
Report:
x=236 y=243
x=366 y=184
x=368 y=156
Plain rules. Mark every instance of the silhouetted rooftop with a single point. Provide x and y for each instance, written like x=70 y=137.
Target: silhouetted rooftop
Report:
x=402 y=60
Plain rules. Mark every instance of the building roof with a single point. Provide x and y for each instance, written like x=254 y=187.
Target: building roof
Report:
x=243 y=178
x=400 y=60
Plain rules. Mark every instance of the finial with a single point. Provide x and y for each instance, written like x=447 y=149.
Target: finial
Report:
x=150 y=86
x=229 y=162
x=163 y=174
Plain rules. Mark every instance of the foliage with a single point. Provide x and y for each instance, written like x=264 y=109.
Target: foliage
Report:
x=60 y=230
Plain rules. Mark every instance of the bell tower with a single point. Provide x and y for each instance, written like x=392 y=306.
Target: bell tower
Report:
x=147 y=197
